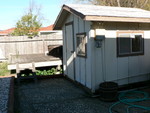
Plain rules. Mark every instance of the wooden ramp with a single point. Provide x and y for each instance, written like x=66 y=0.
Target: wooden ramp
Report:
x=26 y=61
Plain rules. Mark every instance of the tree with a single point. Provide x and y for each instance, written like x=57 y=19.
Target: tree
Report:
x=29 y=23
x=144 y=4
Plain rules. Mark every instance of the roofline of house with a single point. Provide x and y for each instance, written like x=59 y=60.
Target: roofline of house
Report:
x=66 y=10
x=51 y=31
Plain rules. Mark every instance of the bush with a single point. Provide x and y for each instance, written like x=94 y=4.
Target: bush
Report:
x=51 y=71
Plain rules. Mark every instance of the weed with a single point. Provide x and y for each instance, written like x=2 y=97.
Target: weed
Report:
x=3 y=69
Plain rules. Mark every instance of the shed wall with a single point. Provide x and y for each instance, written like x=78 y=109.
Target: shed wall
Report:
x=82 y=67
x=123 y=70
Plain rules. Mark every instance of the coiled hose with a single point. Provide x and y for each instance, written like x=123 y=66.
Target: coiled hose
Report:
x=129 y=98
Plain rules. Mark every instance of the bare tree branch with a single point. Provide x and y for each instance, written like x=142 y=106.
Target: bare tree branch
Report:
x=118 y=2
x=145 y=2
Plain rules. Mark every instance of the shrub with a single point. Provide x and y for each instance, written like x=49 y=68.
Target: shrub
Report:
x=51 y=71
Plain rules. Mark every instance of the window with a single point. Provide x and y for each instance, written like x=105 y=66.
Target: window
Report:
x=81 y=44
x=129 y=44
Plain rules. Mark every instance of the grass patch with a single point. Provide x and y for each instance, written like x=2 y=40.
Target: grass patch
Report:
x=3 y=69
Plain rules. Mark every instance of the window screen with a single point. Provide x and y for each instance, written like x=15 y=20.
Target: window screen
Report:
x=137 y=43
x=124 y=43
x=130 y=44
x=81 y=44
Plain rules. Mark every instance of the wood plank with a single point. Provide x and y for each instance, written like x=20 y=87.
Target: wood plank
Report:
x=77 y=66
x=40 y=60
x=134 y=66
x=116 y=19
x=88 y=61
x=70 y=51
x=110 y=56
x=123 y=68
x=82 y=59
x=37 y=64
x=31 y=58
x=64 y=52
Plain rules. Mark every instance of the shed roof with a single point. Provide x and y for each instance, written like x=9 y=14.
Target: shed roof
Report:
x=102 y=13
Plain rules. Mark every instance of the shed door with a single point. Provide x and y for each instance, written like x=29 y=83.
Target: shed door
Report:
x=70 y=51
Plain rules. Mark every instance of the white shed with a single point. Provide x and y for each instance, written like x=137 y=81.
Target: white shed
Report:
x=102 y=43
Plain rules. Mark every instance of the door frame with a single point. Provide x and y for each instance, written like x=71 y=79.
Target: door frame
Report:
x=73 y=41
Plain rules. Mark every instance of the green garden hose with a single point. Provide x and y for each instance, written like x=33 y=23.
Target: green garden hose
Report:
x=129 y=98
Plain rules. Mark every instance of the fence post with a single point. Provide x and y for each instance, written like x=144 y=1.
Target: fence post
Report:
x=10 y=59
x=43 y=45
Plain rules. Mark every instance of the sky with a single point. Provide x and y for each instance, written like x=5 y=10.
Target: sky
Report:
x=12 y=10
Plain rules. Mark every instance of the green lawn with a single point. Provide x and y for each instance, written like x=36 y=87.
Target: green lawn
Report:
x=3 y=69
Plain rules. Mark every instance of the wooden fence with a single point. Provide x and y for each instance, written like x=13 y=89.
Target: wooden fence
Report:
x=18 y=45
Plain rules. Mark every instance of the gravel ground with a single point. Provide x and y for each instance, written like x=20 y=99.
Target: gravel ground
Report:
x=59 y=95
x=56 y=95
x=4 y=94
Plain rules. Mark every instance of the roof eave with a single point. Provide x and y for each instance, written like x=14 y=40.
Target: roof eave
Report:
x=117 y=19
x=63 y=15
x=66 y=10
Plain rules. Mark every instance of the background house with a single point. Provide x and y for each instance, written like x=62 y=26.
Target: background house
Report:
x=7 y=32
x=42 y=31
x=48 y=30
x=102 y=43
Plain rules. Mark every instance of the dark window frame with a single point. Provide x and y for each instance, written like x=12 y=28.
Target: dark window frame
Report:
x=131 y=52
x=84 y=39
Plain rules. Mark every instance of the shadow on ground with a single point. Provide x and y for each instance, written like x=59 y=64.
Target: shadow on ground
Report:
x=59 y=96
